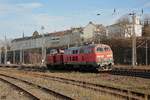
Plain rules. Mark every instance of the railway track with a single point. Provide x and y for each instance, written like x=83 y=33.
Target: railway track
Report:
x=30 y=95
x=123 y=93
x=143 y=73
x=25 y=67
x=43 y=91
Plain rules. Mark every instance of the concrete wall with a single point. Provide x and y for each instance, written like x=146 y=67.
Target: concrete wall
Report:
x=26 y=44
x=88 y=31
x=47 y=41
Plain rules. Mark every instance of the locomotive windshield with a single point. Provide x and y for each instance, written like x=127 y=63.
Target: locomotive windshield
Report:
x=99 y=49
x=107 y=49
x=86 y=50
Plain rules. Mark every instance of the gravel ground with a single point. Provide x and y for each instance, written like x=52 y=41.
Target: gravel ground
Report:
x=7 y=92
x=126 y=82
x=33 y=89
x=136 y=67
x=75 y=92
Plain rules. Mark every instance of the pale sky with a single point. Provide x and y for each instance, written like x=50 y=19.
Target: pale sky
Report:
x=18 y=16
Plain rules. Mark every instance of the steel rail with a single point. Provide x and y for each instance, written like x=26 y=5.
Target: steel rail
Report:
x=56 y=94
x=124 y=93
x=19 y=88
x=142 y=73
x=107 y=89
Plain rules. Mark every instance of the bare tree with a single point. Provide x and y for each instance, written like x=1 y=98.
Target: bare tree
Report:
x=146 y=26
x=146 y=19
x=100 y=33
x=5 y=46
x=124 y=24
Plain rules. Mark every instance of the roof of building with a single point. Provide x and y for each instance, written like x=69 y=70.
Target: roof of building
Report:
x=96 y=25
x=36 y=35
x=52 y=34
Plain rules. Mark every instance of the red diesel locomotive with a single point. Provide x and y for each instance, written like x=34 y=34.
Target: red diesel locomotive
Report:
x=93 y=56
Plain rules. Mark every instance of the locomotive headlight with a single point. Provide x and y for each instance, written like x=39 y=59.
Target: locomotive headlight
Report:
x=100 y=56
x=109 y=55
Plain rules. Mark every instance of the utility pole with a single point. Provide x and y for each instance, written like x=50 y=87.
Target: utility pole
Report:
x=0 y=55
x=5 y=61
x=134 y=55
x=146 y=54
x=22 y=50
x=14 y=58
x=21 y=55
x=43 y=46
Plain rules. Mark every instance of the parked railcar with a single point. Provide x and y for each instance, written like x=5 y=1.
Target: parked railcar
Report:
x=55 y=59
x=93 y=56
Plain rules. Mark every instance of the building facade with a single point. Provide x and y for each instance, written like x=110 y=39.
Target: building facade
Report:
x=49 y=40
x=125 y=30
x=34 y=47
x=93 y=31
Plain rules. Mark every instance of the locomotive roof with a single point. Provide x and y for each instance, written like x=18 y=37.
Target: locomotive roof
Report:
x=87 y=46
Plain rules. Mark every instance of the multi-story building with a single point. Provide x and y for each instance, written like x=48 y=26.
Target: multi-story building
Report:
x=125 y=30
x=92 y=30
x=56 y=39
x=32 y=47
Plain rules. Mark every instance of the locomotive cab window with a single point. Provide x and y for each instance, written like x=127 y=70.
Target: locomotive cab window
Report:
x=107 y=49
x=75 y=52
x=99 y=49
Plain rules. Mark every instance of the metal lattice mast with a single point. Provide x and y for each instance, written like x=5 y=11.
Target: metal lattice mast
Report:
x=146 y=54
x=134 y=55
